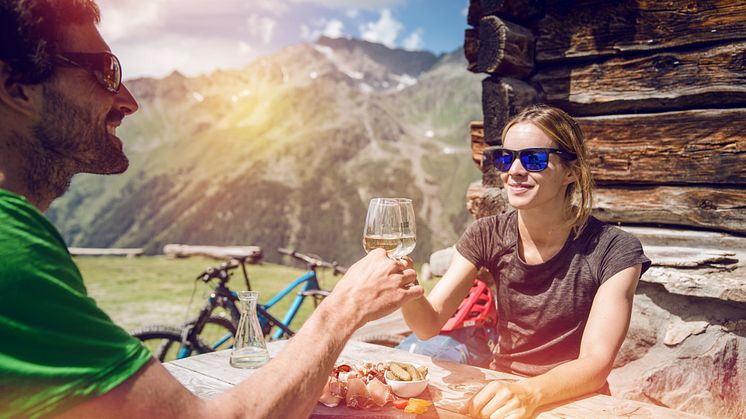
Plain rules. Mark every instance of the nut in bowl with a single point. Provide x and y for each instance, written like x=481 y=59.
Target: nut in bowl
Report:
x=406 y=379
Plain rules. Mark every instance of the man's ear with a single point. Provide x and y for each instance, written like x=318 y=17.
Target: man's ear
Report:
x=22 y=98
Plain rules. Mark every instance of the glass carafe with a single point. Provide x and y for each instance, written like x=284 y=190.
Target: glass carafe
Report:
x=249 y=347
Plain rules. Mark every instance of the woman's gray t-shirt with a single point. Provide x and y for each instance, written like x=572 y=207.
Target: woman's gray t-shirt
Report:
x=542 y=309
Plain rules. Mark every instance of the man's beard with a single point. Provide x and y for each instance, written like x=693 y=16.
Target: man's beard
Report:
x=70 y=140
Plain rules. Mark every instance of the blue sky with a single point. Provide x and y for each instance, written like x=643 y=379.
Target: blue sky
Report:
x=155 y=37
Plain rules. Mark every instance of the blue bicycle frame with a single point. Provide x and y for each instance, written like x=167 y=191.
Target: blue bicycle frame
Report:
x=309 y=281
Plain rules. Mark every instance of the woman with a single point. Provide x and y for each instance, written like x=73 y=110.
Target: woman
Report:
x=565 y=281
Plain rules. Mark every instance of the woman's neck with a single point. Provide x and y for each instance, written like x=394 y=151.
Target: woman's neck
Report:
x=542 y=234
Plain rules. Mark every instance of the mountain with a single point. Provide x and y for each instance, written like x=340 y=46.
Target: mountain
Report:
x=287 y=152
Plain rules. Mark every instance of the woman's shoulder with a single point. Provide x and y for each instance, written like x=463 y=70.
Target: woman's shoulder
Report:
x=601 y=238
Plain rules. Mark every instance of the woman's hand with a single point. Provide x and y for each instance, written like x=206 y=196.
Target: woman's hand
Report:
x=499 y=399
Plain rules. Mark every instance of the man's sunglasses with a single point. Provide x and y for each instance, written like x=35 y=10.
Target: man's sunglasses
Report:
x=532 y=159
x=103 y=65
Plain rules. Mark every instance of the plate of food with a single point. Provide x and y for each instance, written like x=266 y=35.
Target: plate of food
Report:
x=370 y=384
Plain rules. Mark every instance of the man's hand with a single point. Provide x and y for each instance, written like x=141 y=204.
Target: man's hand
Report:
x=503 y=400
x=374 y=287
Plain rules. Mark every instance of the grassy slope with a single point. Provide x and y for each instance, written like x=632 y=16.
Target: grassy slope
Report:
x=148 y=290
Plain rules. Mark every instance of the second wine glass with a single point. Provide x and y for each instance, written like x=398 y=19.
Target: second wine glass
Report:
x=408 y=228
x=383 y=226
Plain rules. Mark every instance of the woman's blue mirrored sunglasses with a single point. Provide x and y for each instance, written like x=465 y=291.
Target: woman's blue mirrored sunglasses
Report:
x=532 y=159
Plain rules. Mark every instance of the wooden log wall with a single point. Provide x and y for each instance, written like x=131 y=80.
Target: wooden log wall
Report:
x=659 y=89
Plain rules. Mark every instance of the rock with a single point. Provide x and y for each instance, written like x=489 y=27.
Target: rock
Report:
x=440 y=260
x=640 y=337
x=684 y=352
x=680 y=330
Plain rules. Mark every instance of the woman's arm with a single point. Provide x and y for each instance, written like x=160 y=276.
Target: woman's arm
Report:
x=426 y=316
x=603 y=335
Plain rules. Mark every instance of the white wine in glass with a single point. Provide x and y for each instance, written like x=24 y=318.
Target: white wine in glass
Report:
x=408 y=228
x=383 y=226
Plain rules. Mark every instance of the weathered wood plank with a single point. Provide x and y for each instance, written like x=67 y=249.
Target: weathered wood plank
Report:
x=721 y=209
x=451 y=386
x=692 y=147
x=476 y=131
x=201 y=385
x=711 y=208
x=88 y=251
x=252 y=253
x=474 y=13
x=703 y=77
x=502 y=98
x=505 y=49
x=616 y=27
x=519 y=10
x=690 y=257
x=655 y=236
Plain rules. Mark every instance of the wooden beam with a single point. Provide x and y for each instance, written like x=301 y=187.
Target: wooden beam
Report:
x=505 y=49
x=471 y=49
x=252 y=254
x=474 y=13
x=691 y=147
x=704 y=77
x=721 y=209
x=88 y=251
x=717 y=209
x=617 y=27
x=502 y=98
x=476 y=131
x=519 y=10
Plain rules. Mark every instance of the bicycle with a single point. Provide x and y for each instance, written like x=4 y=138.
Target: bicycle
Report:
x=209 y=332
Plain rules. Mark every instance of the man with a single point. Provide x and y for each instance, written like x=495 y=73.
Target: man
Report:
x=61 y=101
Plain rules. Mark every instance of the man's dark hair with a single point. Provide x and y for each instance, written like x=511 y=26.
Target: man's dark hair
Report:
x=30 y=33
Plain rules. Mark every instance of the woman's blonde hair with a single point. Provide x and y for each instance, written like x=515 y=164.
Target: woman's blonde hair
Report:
x=562 y=128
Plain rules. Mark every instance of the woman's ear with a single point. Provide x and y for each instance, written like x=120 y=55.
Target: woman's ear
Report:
x=22 y=98
x=571 y=176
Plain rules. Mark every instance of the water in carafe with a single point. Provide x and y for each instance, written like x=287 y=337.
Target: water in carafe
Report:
x=249 y=347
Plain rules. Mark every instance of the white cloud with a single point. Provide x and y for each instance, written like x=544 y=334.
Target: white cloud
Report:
x=120 y=19
x=358 y=4
x=414 y=41
x=352 y=13
x=384 y=31
x=261 y=27
x=191 y=56
x=244 y=48
x=332 y=28
x=465 y=10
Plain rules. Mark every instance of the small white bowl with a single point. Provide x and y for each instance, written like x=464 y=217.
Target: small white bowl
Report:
x=408 y=388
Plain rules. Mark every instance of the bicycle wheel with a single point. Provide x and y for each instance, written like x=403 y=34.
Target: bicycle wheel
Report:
x=216 y=335
x=164 y=342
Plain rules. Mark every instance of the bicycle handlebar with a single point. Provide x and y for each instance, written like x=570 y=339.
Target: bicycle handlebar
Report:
x=219 y=272
x=314 y=261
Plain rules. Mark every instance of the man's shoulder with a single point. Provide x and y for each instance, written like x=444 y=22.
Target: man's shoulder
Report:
x=30 y=244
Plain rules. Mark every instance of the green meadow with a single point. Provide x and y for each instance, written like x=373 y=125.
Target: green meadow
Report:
x=148 y=290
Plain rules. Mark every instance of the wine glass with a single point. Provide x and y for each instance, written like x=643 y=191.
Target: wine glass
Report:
x=408 y=228
x=383 y=226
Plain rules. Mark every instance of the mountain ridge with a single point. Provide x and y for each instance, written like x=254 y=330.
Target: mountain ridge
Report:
x=286 y=152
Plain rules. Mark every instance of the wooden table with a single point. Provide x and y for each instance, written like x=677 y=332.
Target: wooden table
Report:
x=451 y=385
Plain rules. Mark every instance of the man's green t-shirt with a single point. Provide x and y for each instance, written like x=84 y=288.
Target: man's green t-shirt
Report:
x=58 y=348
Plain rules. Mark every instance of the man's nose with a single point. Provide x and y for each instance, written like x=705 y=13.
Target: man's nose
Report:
x=125 y=102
